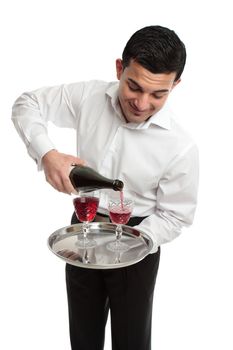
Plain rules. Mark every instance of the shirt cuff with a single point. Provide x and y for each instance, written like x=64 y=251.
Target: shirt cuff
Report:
x=38 y=147
x=151 y=235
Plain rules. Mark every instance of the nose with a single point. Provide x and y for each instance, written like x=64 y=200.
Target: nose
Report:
x=142 y=102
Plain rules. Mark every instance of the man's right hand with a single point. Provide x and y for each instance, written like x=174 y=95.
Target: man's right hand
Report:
x=57 y=167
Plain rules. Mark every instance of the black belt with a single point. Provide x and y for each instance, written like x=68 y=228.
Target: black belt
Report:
x=133 y=221
x=100 y=214
x=101 y=218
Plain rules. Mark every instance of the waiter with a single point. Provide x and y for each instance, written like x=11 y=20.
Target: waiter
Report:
x=125 y=129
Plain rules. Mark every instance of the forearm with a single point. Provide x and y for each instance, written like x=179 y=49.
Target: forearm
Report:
x=31 y=113
x=162 y=228
x=31 y=126
x=176 y=199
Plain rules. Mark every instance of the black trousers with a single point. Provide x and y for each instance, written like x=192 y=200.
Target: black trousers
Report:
x=127 y=292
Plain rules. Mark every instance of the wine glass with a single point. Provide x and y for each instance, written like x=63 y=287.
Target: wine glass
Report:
x=119 y=211
x=86 y=205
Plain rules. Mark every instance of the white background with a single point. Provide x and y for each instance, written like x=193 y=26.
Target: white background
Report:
x=52 y=42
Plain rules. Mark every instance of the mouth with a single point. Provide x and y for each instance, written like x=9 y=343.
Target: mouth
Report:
x=135 y=110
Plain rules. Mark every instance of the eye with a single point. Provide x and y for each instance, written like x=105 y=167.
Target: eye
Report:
x=133 y=87
x=158 y=97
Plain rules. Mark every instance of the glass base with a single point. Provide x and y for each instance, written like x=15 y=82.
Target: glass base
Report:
x=117 y=246
x=84 y=243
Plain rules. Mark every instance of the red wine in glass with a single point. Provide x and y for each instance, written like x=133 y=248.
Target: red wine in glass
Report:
x=86 y=205
x=119 y=211
x=86 y=208
x=119 y=215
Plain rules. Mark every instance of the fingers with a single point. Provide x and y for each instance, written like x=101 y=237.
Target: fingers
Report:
x=57 y=168
x=60 y=183
x=67 y=186
x=77 y=161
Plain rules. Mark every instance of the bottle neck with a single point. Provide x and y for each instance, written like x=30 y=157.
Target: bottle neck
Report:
x=118 y=185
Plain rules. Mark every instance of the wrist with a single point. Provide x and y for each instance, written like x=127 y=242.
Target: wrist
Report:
x=48 y=155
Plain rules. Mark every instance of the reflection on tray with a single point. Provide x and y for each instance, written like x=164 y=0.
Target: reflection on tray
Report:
x=85 y=256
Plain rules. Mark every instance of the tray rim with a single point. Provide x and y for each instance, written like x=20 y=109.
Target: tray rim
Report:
x=53 y=238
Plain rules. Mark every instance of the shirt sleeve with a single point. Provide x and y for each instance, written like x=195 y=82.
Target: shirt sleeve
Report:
x=176 y=199
x=33 y=110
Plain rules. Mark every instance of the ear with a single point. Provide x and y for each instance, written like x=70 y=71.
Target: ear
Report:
x=176 y=83
x=119 y=68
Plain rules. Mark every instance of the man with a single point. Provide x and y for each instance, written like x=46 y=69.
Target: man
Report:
x=124 y=130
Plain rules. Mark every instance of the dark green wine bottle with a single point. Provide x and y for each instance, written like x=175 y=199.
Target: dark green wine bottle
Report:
x=84 y=178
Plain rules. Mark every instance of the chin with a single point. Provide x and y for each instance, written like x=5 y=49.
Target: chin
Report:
x=135 y=119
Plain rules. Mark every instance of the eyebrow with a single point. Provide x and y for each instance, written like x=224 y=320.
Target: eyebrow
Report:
x=155 y=91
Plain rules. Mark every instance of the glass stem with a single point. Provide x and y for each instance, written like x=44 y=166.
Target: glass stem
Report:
x=85 y=230
x=118 y=233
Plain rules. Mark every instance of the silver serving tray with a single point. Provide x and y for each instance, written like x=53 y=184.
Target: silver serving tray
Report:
x=63 y=243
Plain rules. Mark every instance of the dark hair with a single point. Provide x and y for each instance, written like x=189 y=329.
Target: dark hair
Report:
x=156 y=48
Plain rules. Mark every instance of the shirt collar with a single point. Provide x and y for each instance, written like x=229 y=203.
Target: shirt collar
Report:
x=161 y=118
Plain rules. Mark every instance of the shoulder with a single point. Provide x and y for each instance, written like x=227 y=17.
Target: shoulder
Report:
x=185 y=149
x=90 y=87
x=180 y=140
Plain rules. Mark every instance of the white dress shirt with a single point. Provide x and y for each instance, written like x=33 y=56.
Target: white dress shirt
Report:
x=157 y=160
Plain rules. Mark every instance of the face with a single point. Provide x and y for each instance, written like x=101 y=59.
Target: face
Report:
x=142 y=93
